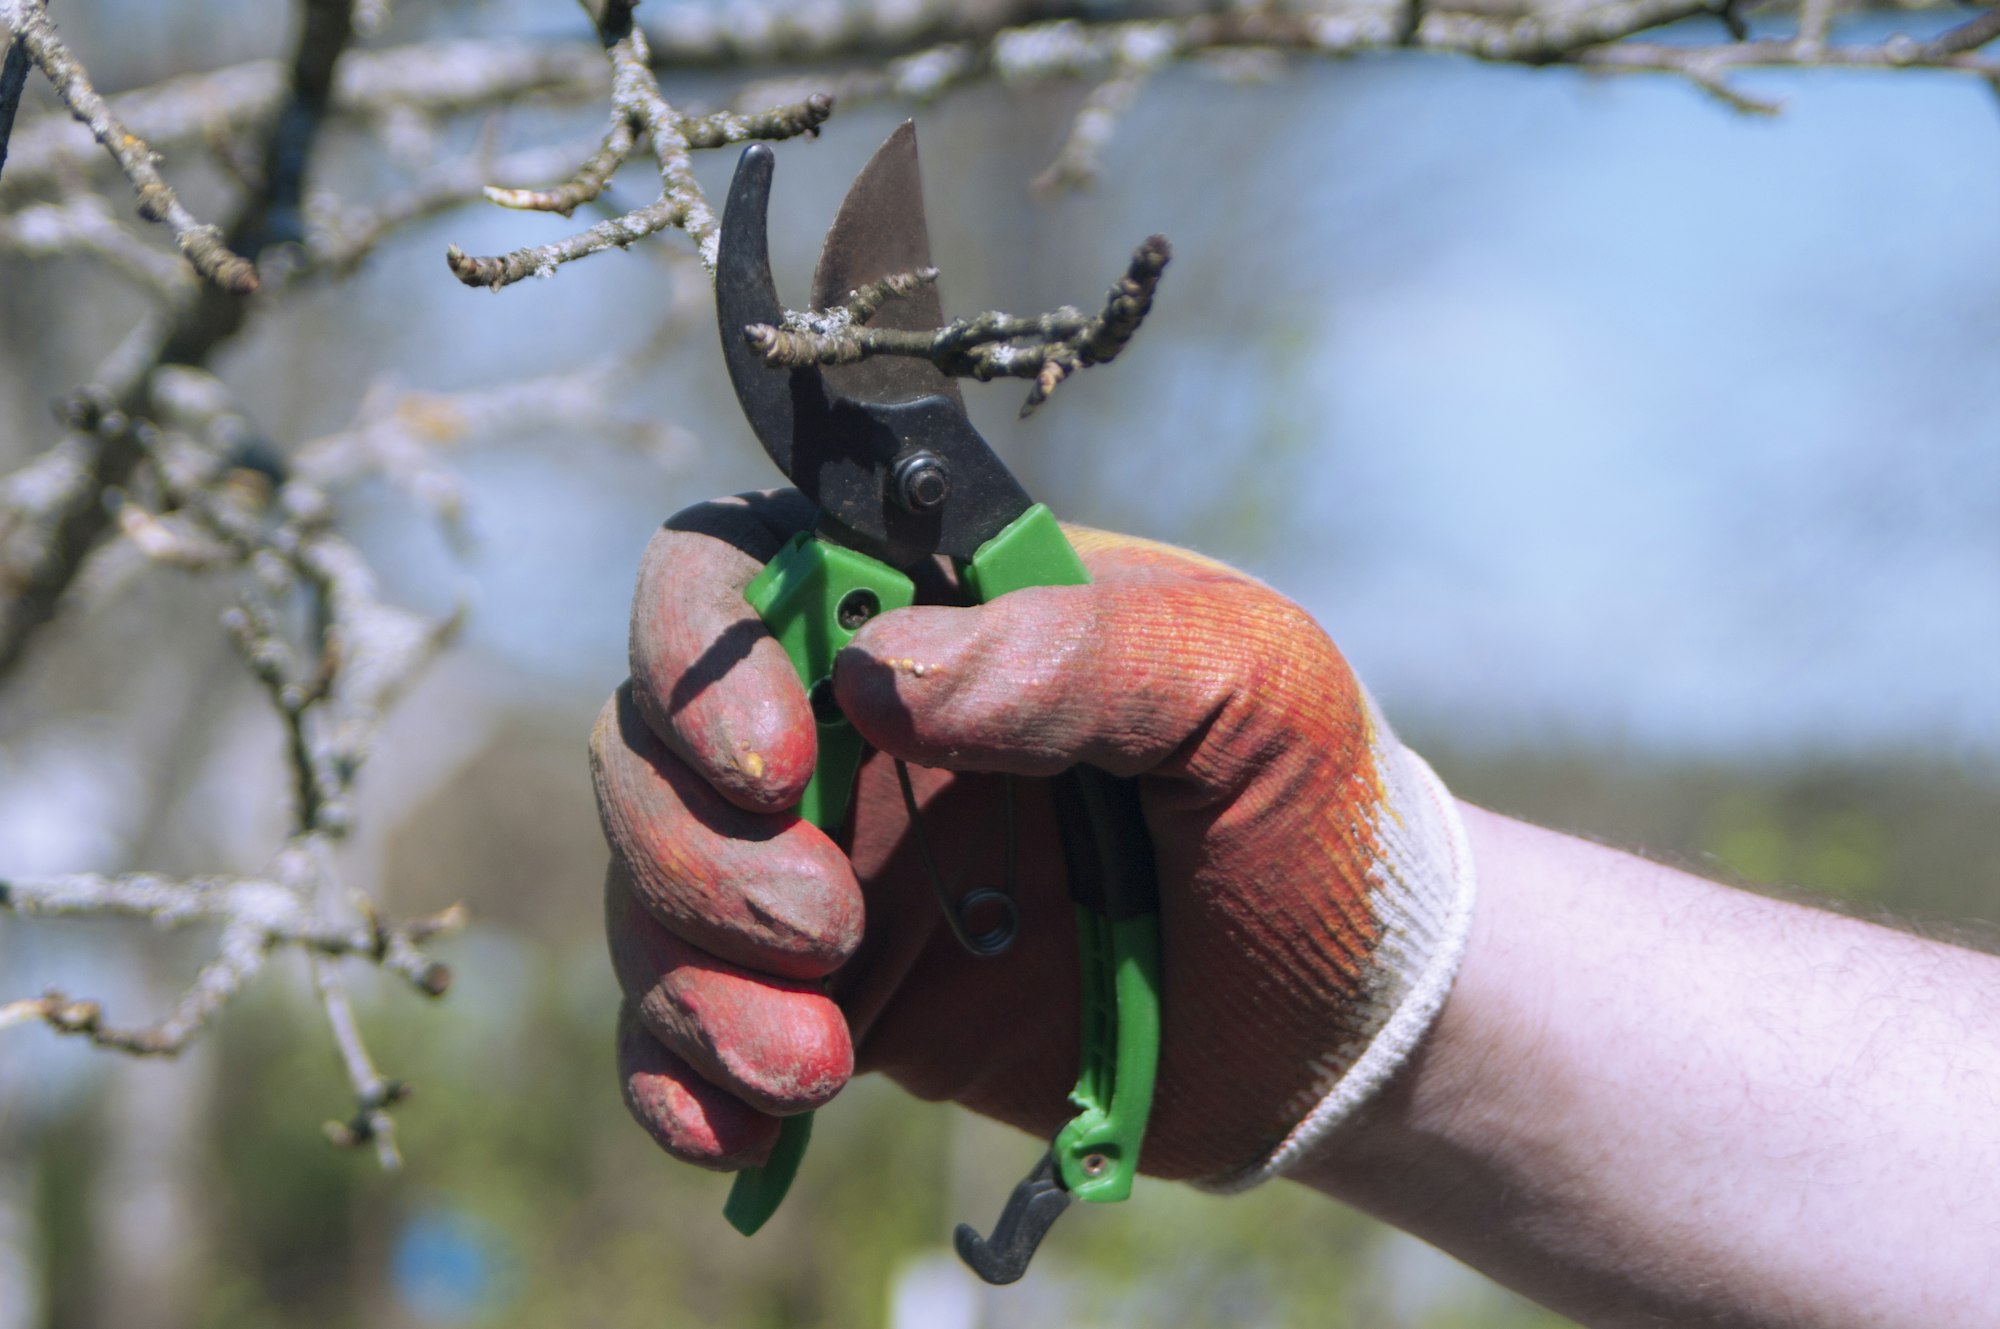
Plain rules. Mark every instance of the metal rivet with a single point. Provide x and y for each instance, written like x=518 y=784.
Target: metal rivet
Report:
x=1095 y=1164
x=920 y=482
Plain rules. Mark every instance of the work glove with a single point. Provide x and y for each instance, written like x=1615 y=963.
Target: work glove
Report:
x=1315 y=885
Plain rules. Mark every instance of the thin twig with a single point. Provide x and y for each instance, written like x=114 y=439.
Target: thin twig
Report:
x=542 y=260
x=792 y=119
x=588 y=181
x=1733 y=98
x=200 y=241
x=341 y=236
x=1047 y=348
x=373 y=1095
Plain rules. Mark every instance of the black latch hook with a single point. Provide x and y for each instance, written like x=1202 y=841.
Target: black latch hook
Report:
x=1031 y=1211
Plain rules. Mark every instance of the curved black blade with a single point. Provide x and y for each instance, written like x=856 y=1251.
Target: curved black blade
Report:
x=1037 y=1202
x=880 y=232
x=745 y=294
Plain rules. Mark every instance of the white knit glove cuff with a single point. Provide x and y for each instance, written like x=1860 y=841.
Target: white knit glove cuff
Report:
x=1421 y=889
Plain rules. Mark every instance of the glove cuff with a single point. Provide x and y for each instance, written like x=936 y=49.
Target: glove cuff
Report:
x=1421 y=889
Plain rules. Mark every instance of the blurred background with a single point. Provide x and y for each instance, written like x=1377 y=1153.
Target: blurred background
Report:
x=1638 y=452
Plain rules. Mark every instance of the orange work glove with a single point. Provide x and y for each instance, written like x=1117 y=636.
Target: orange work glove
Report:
x=1315 y=886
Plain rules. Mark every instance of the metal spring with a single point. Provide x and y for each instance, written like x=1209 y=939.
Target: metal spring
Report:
x=958 y=913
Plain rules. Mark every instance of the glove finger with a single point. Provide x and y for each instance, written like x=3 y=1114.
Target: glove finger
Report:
x=780 y=1046
x=685 y=1114
x=767 y=891
x=709 y=678
x=1163 y=664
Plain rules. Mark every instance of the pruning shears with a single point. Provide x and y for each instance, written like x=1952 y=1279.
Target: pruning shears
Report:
x=884 y=450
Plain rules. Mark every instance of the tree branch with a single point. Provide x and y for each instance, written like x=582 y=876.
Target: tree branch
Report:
x=255 y=918
x=587 y=182
x=1047 y=349
x=637 y=110
x=331 y=692
x=201 y=242
x=57 y=511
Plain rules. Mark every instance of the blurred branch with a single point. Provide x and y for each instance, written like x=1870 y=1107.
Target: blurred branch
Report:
x=222 y=508
x=1075 y=165
x=373 y=1095
x=1047 y=349
x=84 y=225
x=54 y=510
x=400 y=435
x=203 y=244
x=424 y=78
x=340 y=236
x=915 y=51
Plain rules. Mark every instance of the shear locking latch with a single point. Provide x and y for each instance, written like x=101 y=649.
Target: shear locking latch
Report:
x=1031 y=1211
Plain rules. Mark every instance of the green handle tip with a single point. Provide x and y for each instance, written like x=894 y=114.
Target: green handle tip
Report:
x=760 y=1190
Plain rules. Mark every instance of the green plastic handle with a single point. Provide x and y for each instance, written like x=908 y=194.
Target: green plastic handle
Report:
x=814 y=596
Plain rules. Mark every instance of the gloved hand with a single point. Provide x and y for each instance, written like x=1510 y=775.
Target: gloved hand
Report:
x=1315 y=888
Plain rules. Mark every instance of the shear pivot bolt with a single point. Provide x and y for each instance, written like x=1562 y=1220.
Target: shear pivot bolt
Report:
x=1094 y=1165
x=920 y=482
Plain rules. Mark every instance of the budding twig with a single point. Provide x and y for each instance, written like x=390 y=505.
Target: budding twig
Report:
x=1047 y=348
x=586 y=184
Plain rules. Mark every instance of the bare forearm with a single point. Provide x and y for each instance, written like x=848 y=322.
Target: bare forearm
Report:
x=1651 y=1099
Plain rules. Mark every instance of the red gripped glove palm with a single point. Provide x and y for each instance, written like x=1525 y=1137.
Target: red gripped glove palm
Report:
x=1314 y=885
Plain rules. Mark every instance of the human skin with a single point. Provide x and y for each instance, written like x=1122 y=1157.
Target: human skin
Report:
x=1654 y=1100
x=1648 y=1099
